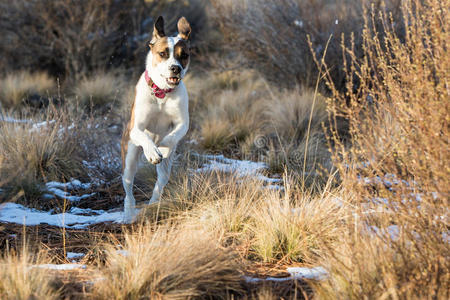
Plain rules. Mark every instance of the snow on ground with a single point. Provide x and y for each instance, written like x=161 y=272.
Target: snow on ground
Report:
x=60 y=267
x=296 y=273
x=13 y=120
x=308 y=273
x=16 y=213
x=241 y=168
x=72 y=255
x=60 y=189
x=79 y=218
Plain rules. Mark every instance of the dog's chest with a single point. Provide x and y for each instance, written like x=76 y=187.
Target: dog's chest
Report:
x=159 y=116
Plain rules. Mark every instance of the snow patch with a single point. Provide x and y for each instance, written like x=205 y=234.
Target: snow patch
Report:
x=296 y=273
x=60 y=189
x=16 y=213
x=13 y=120
x=241 y=168
x=60 y=267
x=72 y=255
x=317 y=273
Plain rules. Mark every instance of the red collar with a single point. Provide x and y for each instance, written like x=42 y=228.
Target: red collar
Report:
x=158 y=92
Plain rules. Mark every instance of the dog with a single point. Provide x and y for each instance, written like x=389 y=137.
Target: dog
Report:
x=159 y=115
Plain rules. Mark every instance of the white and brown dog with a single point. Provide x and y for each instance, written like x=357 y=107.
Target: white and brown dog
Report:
x=159 y=116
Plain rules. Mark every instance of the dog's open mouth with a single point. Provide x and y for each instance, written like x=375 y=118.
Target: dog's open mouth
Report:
x=173 y=80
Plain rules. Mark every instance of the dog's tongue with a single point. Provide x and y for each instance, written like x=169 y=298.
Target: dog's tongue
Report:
x=173 y=79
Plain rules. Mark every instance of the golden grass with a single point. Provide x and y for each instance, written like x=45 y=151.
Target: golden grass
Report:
x=224 y=105
x=99 y=90
x=16 y=87
x=34 y=155
x=175 y=262
x=292 y=229
x=287 y=113
x=267 y=225
x=19 y=280
x=240 y=114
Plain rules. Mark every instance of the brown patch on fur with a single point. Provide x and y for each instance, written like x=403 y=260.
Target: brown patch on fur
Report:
x=126 y=135
x=184 y=28
x=160 y=51
x=181 y=53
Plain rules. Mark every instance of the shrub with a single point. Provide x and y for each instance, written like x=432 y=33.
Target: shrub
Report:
x=73 y=38
x=272 y=35
x=396 y=168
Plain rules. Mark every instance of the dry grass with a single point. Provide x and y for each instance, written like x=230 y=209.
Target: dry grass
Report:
x=385 y=265
x=15 y=88
x=268 y=226
x=397 y=165
x=36 y=155
x=286 y=230
x=224 y=108
x=18 y=280
x=238 y=113
x=169 y=263
x=287 y=113
x=100 y=90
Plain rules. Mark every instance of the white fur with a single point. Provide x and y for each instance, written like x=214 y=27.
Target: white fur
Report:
x=161 y=72
x=159 y=124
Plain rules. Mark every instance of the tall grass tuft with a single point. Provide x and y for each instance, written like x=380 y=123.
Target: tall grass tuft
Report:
x=15 y=88
x=99 y=90
x=39 y=152
x=169 y=263
x=19 y=280
x=397 y=167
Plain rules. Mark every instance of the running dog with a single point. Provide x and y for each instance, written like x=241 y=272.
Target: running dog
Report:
x=159 y=116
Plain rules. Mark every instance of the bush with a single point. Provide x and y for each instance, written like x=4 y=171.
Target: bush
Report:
x=73 y=38
x=272 y=35
x=396 y=168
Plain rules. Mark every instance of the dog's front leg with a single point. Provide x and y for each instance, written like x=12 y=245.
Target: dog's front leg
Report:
x=140 y=138
x=170 y=141
x=167 y=147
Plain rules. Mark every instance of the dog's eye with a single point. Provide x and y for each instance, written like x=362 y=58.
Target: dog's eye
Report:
x=162 y=54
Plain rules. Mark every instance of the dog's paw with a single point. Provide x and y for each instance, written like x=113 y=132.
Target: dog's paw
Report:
x=165 y=151
x=153 y=155
x=129 y=215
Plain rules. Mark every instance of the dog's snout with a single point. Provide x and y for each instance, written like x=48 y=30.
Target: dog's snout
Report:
x=175 y=69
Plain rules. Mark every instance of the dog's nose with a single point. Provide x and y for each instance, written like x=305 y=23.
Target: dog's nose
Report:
x=175 y=69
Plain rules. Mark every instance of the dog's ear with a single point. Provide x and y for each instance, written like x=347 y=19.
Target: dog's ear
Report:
x=158 y=30
x=184 y=29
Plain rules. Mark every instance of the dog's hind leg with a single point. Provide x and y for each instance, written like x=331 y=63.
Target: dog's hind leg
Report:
x=163 y=170
x=129 y=171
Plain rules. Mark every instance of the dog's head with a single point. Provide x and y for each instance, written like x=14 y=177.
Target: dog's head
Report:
x=168 y=58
